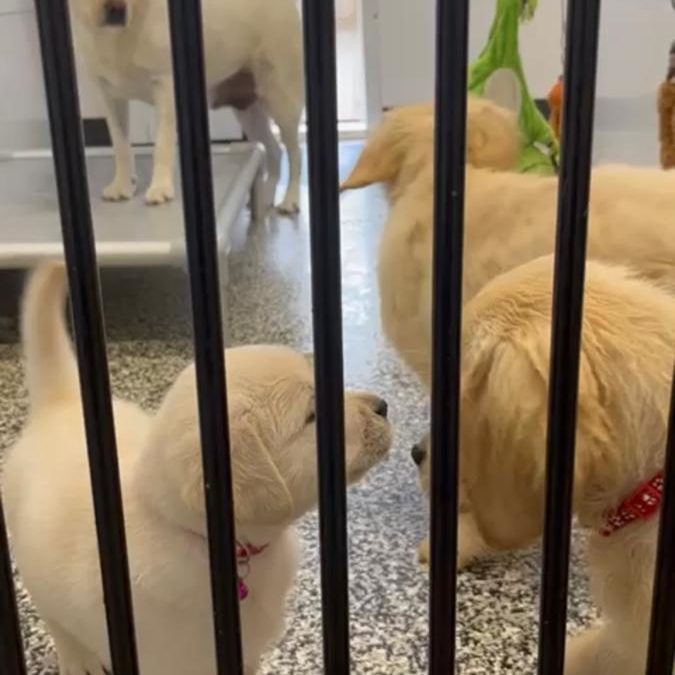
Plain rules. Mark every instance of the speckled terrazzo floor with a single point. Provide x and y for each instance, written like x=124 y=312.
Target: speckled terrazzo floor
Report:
x=269 y=302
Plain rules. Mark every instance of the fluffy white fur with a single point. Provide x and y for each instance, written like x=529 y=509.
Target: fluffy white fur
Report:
x=628 y=351
x=257 y=37
x=49 y=511
x=509 y=219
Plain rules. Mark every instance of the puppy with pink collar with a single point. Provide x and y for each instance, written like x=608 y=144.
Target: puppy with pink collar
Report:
x=48 y=502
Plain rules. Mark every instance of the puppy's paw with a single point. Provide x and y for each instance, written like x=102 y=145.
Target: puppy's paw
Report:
x=85 y=665
x=160 y=192
x=121 y=189
x=464 y=559
x=470 y=545
x=423 y=552
x=82 y=670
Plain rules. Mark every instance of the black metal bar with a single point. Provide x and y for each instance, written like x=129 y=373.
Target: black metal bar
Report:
x=78 y=240
x=201 y=241
x=452 y=25
x=661 y=653
x=568 y=288
x=324 y=207
x=11 y=645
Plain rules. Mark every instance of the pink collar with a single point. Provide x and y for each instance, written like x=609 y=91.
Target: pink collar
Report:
x=641 y=505
x=245 y=552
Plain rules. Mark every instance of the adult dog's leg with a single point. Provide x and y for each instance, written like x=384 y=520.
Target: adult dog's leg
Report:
x=289 y=136
x=255 y=123
x=286 y=110
x=117 y=117
x=162 y=185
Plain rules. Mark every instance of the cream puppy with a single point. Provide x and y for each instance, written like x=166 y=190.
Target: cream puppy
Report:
x=509 y=219
x=253 y=56
x=49 y=505
x=627 y=356
x=401 y=148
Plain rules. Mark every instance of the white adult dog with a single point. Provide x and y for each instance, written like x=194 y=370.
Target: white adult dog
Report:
x=253 y=55
x=49 y=505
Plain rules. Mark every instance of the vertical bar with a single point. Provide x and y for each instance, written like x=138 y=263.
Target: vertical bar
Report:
x=320 y=71
x=568 y=288
x=202 y=246
x=661 y=653
x=78 y=241
x=11 y=646
x=452 y=23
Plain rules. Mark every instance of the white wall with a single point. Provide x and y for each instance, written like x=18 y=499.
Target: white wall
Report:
x=23 y=114
x=634 y=44
x=635 y=39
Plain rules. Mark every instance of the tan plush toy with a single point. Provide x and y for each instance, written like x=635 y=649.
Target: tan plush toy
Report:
x=667 y=115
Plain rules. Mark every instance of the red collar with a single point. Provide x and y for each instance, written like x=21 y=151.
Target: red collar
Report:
x=245 y=552
x=641 y=505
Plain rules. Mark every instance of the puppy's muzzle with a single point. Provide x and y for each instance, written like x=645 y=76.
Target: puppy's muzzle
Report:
x=418 y=453
x=115 y=13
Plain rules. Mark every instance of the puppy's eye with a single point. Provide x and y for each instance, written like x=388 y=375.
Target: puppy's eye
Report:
x=310 y=418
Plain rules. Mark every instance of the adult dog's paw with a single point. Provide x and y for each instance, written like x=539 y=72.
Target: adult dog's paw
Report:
x=288 y=207
x=160 y=192
x=121 y=189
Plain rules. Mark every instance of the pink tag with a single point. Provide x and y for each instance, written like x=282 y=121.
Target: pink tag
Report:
x=243 y=589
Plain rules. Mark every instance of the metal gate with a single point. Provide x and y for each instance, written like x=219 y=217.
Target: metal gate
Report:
x=319 y=25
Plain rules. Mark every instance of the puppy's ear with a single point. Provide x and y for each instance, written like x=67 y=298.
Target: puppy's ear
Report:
x=503 y=430
x=380 y=159
x=261 y=497
x=260 y=494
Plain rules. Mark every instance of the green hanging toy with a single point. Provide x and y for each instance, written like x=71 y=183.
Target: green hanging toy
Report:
x=498 y=64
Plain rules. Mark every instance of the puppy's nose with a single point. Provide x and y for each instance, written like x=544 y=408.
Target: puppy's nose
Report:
x=418 y=454
x=115 y=13
x=381 y=407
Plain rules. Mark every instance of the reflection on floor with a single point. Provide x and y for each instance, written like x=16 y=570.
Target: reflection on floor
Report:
x=269 y=297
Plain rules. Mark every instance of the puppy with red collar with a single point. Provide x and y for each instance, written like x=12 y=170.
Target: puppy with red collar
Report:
x=48 y=501
x=627 y=356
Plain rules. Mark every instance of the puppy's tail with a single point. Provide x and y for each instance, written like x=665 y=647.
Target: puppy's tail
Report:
x=51 y=369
